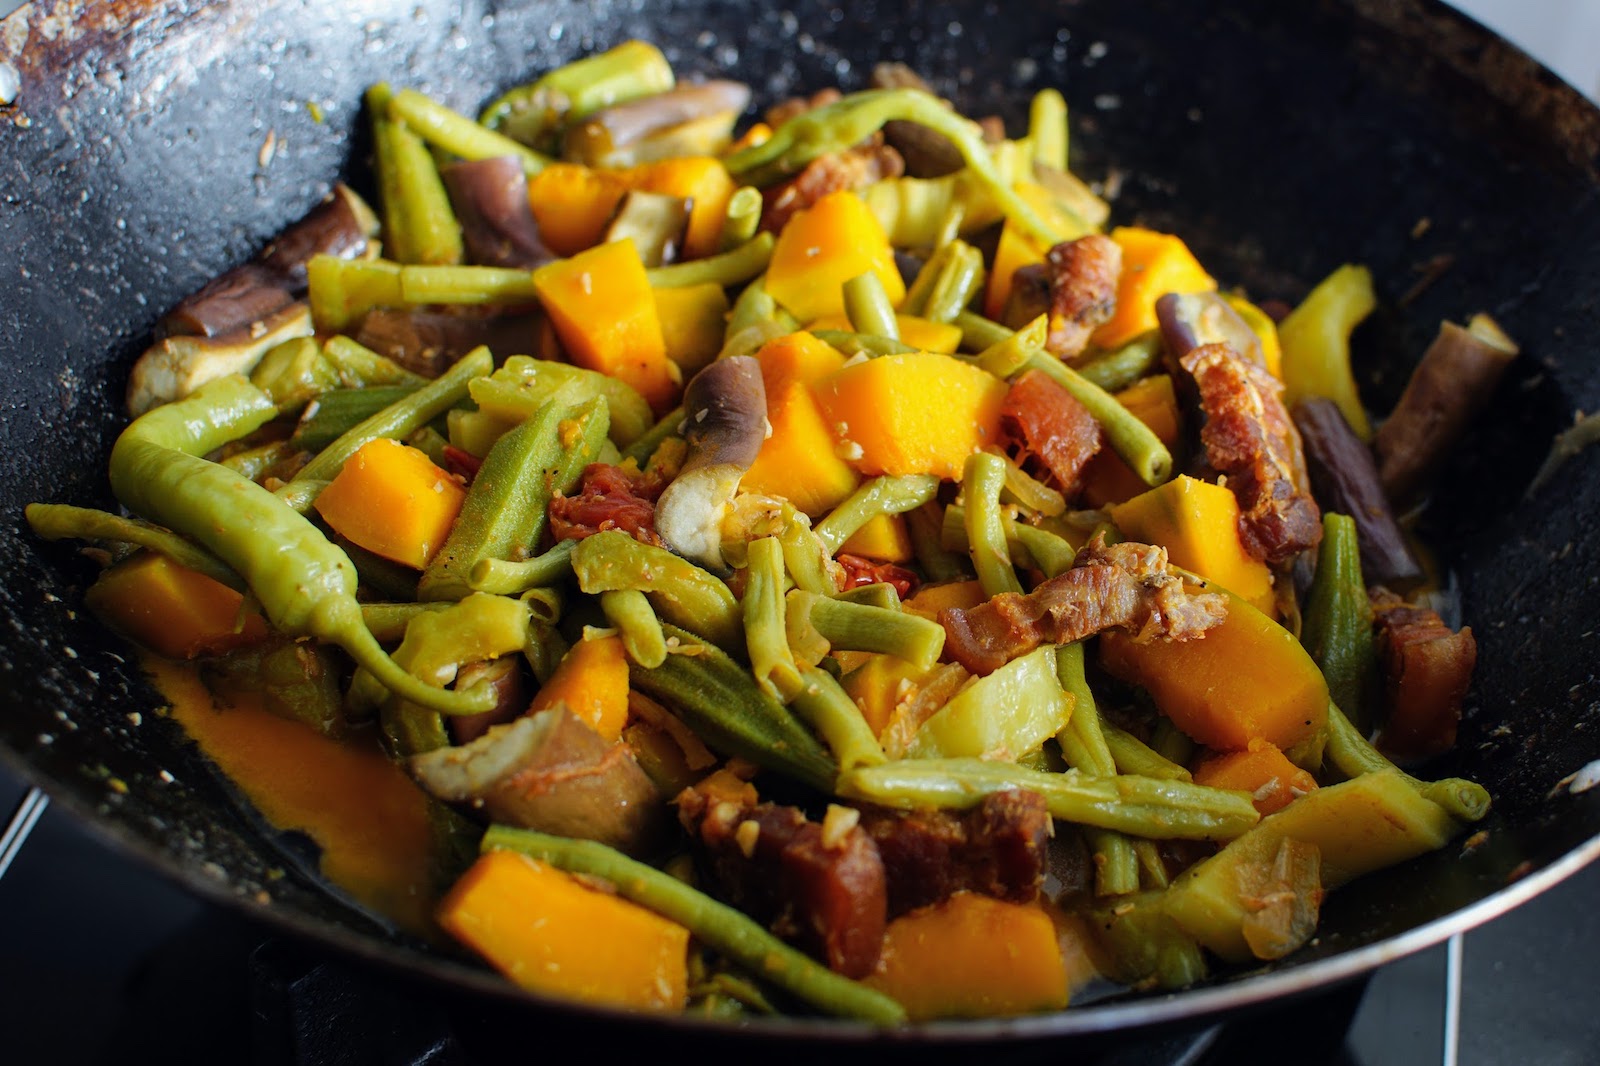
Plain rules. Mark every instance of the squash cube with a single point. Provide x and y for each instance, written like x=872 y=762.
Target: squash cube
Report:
x=824 y=246
x=1198 y=523
x=172 y=610
x=391 y=500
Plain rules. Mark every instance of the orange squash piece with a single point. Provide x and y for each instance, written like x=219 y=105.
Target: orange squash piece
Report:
x=884 y=538
x=693 y=318
x=931 y=599
x=551 y=934
x=1260 y=769
x=1153 y=264
x=921 y=413
x=824 y=246
x=1153 y=401
x=878 y=685
x=172 y=610
x=701 y=180
x=1198 y=523
x=1246 y=678
x=799 y=461
x=574 y=204
x=971 y=957
x=391 y=500
x=1018 y=249
x=603 y=310
x=592 y=680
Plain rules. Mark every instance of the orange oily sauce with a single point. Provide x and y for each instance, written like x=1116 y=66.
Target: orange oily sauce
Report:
x=362 y=810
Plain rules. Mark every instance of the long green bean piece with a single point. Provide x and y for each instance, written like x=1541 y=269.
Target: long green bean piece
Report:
x=714 y=924
x=1010 y=354
x=680 y=591
x=507 y=509
x=924 y=525
x=771 y=661
x=1133 y=756
x=506 y=578
x=340 y=291
x=1047 y=128
x=955 y=286
x=804 y=554
x=1028 y=546
x=1130 y=438
x=725 y=268
x=59 y=521
x=1138 y=806
x=880 y=496
x=981 y=483
x=631 y=70
x=1115 y=370
x=466 y=285
x=743 y=217
x=629 y=611
x=1116 y=858
x=1116 y=863
x=419 y=225
x=871 y=345
x=979 y=333
x=388 y=621
x=866 y=304
x=828 y=709
x=857 y=627
x=1350 y=752
x=458 y=134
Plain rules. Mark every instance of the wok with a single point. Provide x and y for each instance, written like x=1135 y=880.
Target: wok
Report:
x=1279 y=139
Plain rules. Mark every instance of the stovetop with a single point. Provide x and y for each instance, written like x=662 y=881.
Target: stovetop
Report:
x=102 y=960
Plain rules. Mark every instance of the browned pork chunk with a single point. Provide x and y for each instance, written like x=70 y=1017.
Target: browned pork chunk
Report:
x=1426 y=671
x=1250 y=438
x=1083 y=291
x=1046 y=422
x=863 y=165
x=1118 y=586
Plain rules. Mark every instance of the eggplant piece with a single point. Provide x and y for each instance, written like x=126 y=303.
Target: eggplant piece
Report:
x=174 y=367
x=725 y=423
x=504 y=677
x=1029 y=298
x=1453 y=382
x=618 y=135
x=1190 y=319
x=430 y=342
x=297 y=680
x=551 y=772
x=656 y=224
x=1344 y=479
x=491 y=201
x=342 y=225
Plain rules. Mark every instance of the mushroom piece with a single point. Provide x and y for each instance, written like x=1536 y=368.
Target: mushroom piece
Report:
x=174 y=367
x=654 y=222
x=688 y=120
x=491 y=201
x=551 y=772
x=342 y=225
x=725 y=423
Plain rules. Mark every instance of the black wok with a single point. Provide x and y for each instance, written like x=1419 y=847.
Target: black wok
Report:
x=1279 y=139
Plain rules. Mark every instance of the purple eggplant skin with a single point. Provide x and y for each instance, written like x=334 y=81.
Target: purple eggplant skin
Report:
x=342 y=225
x=1190 y=319
x=430 y=342
x=620 y=126
x=1345 y=480
x=491 y=201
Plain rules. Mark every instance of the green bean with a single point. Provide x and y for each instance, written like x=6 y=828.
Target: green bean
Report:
x=545 y=605
x=743 y=217
x=927 y=279
x=1170 y=742
x=630 y=613
x=879 y=594
x=680 y=591
x=1337 y=627
x=1118 y=368
x=1138 y=806
x=1010 y=354
x=466 y=285
x=1116 y=864
x=388 y=621
x=956 y=285
x=979 y=333
x=880 y=496
x=419 y=225
x=725 y=268
x=1047 y=128
x=771 y=662
x=360 y=367
x=924 y=525
x=341 y=291
x=986 y=537
x=338 y=411
x=1349 y=751
x=403 y=417
x=255 y=462
x=544 y=651
x=571 y=92
x=713 y=924
x=853 y=118
x=1082 y=743
x=866 y=304
x=305 y=585
x=850 y=626
x=506 y=578
x=1130 y=438
x=808 y=646
x=870 y=345
x=1152 y=867
x=58 y=521
x=1028 y=546
x=507 y=509
x=300 y=495
x=754 y=308
x=1134 y=756
x=457 y=134
x=1024 y=490
x=522 y=385
x=804 y=554
x=721 y=702
x=828 y=709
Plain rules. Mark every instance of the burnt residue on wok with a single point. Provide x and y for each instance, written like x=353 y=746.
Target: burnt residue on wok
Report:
x=151 y=147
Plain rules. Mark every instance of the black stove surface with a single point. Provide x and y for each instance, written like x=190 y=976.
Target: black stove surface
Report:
x=102 y=960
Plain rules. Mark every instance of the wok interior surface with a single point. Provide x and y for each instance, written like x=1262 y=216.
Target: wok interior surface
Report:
x=1279 y=140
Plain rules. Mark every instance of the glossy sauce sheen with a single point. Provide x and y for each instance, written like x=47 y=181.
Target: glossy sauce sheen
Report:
x=365 y=814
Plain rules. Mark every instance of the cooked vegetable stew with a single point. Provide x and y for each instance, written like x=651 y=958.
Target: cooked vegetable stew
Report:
x=813 y=567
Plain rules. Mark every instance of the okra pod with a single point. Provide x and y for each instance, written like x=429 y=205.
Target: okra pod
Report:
x=419 y=225
x=1337 y=625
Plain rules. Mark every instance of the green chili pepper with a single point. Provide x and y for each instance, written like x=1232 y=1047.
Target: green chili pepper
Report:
x=306 y=586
